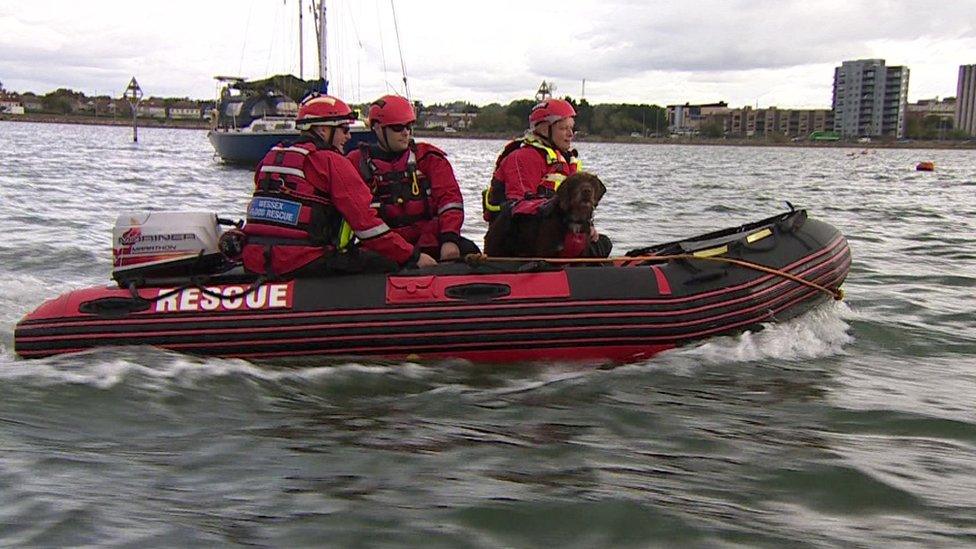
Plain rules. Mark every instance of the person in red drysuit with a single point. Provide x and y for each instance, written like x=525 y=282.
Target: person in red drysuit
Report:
x=309 y=204
x=413 y=183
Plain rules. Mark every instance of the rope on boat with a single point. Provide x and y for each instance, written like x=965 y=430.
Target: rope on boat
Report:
x=476 y=259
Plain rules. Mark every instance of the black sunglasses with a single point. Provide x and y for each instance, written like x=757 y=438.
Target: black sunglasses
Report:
x=400 y=127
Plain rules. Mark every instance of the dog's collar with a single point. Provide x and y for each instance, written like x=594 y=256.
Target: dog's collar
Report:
x=578 y=226
x=573 y=225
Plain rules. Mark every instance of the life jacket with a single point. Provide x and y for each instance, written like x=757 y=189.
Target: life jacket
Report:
x=558 y=168
x=288 y=210
x=574 y=243
x=402 y=197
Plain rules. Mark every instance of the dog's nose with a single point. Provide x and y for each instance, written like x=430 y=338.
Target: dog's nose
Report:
x=588 y=194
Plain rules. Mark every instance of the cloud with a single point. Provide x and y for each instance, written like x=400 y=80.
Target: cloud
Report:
x=627 y=50
x=629 y=38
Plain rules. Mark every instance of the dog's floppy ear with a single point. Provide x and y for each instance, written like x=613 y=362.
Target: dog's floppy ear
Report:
x=564 y=194
x=600 y=189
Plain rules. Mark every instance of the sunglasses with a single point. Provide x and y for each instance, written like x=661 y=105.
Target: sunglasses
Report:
x=401 y=127
x=345 y=129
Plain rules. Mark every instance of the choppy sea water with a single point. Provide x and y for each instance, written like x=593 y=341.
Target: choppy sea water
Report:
x=854 y=425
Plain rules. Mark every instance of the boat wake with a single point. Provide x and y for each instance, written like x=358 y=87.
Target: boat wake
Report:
x=820 y=333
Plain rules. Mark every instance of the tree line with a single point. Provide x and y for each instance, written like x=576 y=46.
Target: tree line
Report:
x=608 y=120
x=932 y=127
x=605 y=119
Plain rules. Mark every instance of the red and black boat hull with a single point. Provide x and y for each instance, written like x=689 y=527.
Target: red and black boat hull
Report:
x=493 y=312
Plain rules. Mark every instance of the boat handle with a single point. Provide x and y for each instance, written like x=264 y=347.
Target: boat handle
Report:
x=114 y=307
x=478 y=291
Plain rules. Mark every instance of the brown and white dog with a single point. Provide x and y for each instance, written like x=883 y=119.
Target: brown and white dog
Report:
x=555 y=227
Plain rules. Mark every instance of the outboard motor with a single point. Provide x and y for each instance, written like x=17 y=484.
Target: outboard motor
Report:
x=159 y=245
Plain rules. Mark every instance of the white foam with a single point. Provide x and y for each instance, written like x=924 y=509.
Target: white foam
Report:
x=45 y=373
x=820 y=333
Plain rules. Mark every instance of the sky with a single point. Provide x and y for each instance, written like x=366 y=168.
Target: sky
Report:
x=759 y=53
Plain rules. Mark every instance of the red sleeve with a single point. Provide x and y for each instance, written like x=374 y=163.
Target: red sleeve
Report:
x=522 y=172
x=354 y=157
x=446 y=199
x=336 y=175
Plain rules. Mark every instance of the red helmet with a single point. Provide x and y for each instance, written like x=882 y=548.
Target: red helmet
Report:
x=323 y=110
x=551 y=110
x=391 y=109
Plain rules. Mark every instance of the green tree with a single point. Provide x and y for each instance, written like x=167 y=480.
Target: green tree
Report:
x=584 y=115
x=712 y=128
x=56 y=104
x=494 y=118
x=519 y=110
x=913 y=128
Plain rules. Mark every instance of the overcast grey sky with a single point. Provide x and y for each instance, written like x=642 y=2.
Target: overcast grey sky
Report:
x=762 y=52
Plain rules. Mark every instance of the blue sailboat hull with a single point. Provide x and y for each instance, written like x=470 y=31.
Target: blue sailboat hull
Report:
x=248 y=148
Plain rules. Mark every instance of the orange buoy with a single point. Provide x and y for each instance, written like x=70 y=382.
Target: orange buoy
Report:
x=925 y=166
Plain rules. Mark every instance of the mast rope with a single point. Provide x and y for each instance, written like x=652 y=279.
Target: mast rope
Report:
x=403 y=66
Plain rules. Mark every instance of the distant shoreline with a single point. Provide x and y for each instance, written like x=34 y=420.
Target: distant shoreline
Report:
x=734 y=142
x=106 y=121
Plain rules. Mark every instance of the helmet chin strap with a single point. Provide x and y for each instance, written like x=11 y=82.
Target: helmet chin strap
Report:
x=325 y=141
x=548 y=135
x=383 y=138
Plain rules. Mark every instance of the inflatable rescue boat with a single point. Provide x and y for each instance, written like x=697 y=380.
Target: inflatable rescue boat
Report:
x=493 y=309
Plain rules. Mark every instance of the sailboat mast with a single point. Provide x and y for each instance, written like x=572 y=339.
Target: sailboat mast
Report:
x=301 y=42
x=323 y=41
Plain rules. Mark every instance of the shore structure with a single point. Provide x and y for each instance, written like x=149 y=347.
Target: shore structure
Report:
x=870 y=99
x=686 y=140
x=965 y=115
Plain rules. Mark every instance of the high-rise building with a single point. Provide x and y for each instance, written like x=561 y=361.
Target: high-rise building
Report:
x=870 y=99
x=966 y=100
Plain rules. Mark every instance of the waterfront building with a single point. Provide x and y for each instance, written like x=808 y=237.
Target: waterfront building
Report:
x=965 y=118
x=930 y=118
x=152 y=108
x=445 y=119
x=9 y=106
x=688 y=119
x=870 y=99
x=749 y=122
x=185 y=110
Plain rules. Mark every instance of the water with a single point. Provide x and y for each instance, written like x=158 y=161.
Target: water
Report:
x=851 y=426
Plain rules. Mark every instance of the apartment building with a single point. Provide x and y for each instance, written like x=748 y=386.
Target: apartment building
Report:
x=870 y=99
x=965 y=118
x=749 y=122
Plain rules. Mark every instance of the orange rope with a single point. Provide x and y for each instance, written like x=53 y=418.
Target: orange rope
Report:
x=482 y=258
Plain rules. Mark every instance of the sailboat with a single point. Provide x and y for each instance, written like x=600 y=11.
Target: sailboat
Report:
x=252 y=117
